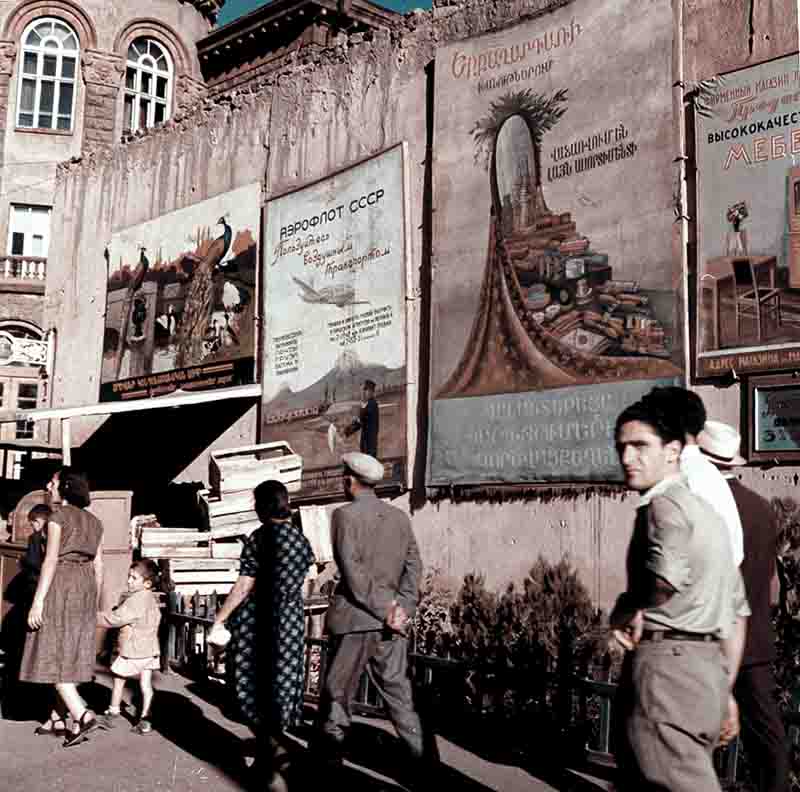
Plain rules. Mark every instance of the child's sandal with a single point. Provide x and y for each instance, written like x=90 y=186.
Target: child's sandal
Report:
x=109 y=718
x=54 y=730
x=84 y=727
x=143 y=726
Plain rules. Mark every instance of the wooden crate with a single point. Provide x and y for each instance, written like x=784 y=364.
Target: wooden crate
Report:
x=202 y=576
x=237 y=469
x=226 y=550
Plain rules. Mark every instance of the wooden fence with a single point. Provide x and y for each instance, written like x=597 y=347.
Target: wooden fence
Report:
x=189 y=620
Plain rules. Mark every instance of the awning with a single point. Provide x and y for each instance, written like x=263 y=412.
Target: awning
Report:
x=64 y=414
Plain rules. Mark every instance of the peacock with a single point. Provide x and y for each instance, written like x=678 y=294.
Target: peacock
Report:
x=134 y=285
x=199 y=301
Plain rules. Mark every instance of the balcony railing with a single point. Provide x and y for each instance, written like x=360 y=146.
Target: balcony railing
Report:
x=32 y=268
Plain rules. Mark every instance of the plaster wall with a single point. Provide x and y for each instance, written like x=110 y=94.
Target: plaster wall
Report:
x=311 y=119
x=30 y=157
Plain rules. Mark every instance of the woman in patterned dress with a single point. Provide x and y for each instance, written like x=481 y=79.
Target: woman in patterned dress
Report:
x=60 y=649
x=268 y=619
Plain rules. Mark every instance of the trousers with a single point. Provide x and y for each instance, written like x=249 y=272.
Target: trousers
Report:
x=385 y=658
x=672 y=701
x=763 y=734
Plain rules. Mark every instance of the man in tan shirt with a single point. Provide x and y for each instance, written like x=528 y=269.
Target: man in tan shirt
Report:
x=682 y=617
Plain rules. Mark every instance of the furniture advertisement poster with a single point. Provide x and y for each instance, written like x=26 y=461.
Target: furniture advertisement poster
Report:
x=556 y=295
x=748 y=220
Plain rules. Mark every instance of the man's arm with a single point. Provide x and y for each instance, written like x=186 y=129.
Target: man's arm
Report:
x=373 y=598
x=665 y=569
x=733 y=649
x=408 y=588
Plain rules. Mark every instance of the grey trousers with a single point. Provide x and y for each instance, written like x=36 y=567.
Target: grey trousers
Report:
x=673 y=699
x=385 y=657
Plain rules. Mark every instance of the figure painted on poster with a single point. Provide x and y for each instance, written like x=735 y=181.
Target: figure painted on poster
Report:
x=136 y=282
x=736 y=238
x=199 y=302
x=368 y=420
x=138 y=318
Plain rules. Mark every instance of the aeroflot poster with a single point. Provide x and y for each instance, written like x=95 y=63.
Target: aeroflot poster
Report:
x=335 y=321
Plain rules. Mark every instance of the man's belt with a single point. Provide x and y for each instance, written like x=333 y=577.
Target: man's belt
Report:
x=677 y=635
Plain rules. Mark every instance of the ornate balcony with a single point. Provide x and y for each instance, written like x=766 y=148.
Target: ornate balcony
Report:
x=23 y=268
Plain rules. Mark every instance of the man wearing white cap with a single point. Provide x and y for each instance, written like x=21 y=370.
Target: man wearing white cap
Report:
x=380 y=568
x=762 y=729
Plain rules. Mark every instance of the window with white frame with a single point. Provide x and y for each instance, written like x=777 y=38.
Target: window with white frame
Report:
x=29 y=230
x=27 y=399
x=47 y=78
x=148 y=84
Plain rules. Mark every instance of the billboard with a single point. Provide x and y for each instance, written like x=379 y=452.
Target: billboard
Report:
x=748 y=226
x=555 y=294
x=335 y=271
x=180 y=303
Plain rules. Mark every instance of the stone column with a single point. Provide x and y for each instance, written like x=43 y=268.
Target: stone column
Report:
x=8 y=56
x=102 y=78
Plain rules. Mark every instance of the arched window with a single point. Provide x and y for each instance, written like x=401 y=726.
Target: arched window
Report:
x=148 y=84
x=47 y=78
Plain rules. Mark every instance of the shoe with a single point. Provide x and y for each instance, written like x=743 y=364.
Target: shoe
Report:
x=54 y=730
x=328 y=749
x=143 y=726
x=109 y=719
x=85 y=725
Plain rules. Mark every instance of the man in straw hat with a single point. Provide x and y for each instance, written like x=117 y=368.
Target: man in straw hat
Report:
x=678 y=617
x=380 y=570
x=762 y=729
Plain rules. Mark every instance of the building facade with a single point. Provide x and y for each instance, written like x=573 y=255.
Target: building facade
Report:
x=75 y=79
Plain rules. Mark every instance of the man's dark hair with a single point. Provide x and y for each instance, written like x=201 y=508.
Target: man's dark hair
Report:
x=369 y=385
x=666 y=423
x=686 y=403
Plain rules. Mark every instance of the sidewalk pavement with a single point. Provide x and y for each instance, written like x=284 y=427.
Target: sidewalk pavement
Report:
x=194 y=746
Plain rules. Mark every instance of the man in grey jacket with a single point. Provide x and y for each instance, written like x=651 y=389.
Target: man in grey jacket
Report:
x=380 y=570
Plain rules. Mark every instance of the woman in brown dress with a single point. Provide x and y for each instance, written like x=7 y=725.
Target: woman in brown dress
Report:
x=60 y=649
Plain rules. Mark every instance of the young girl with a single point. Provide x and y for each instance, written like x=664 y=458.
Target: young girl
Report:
x=138 y=616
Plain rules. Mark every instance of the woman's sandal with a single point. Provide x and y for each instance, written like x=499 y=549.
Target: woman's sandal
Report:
x=84 y=727
x=54 y=730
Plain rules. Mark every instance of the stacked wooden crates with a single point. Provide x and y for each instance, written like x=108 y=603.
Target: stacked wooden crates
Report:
x=206 y=561
x=233 y=474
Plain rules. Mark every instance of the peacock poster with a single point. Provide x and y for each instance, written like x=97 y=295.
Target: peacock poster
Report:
x=180 y=305
x=555 y=298
x=335 y=321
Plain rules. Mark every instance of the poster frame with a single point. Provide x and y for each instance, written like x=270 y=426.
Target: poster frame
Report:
x=411 y=302
x=755 y=385
x=252 y=362
x=700 y=373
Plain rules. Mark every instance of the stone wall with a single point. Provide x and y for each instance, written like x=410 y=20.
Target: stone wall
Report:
x=26 y=307
x=300 y=124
